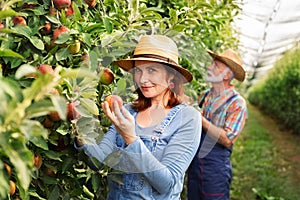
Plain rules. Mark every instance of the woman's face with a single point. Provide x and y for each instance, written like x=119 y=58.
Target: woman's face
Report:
x=152 y=78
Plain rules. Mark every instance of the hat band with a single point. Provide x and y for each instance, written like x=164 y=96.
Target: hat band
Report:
x=168 y=60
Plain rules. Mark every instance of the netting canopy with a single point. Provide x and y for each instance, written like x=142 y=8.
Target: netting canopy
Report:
x=267 y=28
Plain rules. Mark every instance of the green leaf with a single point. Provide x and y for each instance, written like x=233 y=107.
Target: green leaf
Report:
x=90 y=105
x=62 y=54
x=40 y=142
x=24 y=70
x=59 y=103
x=37 y=43
x=63 y=38
x=9 y=53
x=7 y=13
x=33 y=128
x=22 y=30
x=121 y=85
x=52 y=19
x=107 y=24
x=54 y=193
x=39 y=109
x=11 y=88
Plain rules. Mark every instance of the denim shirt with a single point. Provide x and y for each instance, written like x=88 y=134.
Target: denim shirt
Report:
x=153 y=166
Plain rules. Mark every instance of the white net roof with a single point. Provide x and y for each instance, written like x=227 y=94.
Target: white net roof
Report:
x=267 y=29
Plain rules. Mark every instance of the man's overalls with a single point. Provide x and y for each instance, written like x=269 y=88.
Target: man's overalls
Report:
x=209 y=174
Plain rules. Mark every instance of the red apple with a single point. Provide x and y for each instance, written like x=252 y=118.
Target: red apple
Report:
x=111 y=100
x=70 y=11
x=91 y=3
x=19 y=20
x=71 y=111
x=61 y=4
x=106 y=76
x=54 y=116
x=46 y=29
x=38 y=161
x=59 y=31
x=48 y=123
x=2 y=25
x=46 y=69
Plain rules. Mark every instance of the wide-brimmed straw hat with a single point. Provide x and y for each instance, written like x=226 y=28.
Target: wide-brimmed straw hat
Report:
x=233 y=61
x=156 y=48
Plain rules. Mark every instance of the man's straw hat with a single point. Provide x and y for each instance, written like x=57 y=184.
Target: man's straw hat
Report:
x=233 y=61
x=156 y=48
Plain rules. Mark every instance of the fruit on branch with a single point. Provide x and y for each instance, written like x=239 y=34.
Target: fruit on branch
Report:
x=8 y=169
x=75 y=47
x=61 y=4
x=38 y=161
x=111 y=99
x=91 y=3
x=106 y=76
x=57 y=32
x=46 y=29
x=19 y=20
x=70 y=11
x=46 y=69
x=71 y=111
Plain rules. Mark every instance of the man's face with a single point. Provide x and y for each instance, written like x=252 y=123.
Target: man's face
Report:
x=216 y=72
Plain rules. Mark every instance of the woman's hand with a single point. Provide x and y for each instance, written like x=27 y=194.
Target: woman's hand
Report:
x=123 y=121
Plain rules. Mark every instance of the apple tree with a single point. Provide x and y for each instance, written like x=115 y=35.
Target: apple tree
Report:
x=57 y=68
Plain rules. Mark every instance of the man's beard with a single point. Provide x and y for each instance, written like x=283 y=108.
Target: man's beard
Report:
x=210 y=77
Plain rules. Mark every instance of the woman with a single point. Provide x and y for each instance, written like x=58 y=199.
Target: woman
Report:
x=152 y=140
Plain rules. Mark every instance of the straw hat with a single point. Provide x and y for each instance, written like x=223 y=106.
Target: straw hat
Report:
x=232 y=60
x=156 y=48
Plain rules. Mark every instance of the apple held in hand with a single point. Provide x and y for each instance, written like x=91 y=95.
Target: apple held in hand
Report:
x=111 y=99
x=106 y=76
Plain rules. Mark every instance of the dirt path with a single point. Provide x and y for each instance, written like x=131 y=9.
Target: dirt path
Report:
x=288 y=146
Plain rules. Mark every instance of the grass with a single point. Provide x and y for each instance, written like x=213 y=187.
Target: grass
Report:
x=260 y=169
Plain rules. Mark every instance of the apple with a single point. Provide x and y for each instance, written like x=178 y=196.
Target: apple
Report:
x=106 y=76
x=38 y=161
x=60 y=30
x=48 y=123
x=91 y=3
x=2 y=25
x=19 y=20
x=70 y=11
x=71 y=111
x=61 y=4
x=8 y=169
x=111 y=99
x=54 y=116
x=50 y=172
x=46 y=29
x=52 y=11
x=12 y=188
x=75 y=47
x=46 y=69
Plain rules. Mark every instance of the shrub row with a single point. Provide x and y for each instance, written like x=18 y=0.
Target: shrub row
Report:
x=279 y=93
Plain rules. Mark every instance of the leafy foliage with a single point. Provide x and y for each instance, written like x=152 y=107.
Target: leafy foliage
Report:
x=279 y=93
x=43 y=110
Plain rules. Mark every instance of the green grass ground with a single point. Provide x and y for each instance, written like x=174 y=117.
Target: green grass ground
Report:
x=265 y=161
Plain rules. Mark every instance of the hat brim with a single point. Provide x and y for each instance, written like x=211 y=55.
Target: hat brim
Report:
x=238 y=71
x=128 y=64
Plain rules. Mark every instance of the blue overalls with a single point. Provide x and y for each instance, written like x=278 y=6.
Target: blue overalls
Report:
x=209 y=174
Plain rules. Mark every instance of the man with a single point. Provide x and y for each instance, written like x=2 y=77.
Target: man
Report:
x=224 y=113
